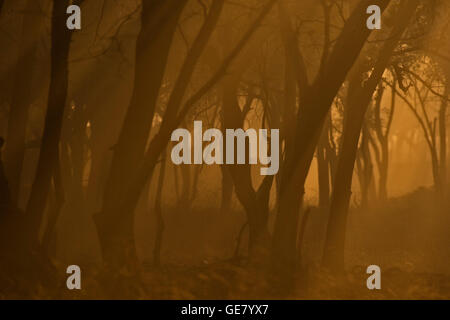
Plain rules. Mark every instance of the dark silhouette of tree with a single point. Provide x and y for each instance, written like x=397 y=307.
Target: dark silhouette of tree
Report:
x=382 y=130
x=175 y=112
x=48 y=157
x=115 y=224
x=22 y=95
x=5 y=194
x=316 y=103
x=359 y=95
x=159 y=214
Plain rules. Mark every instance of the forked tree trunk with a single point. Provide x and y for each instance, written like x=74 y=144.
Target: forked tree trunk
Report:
x=255 y=203
x=159 y=19
x=316 y=104
x=359 y=97
x=115 y=223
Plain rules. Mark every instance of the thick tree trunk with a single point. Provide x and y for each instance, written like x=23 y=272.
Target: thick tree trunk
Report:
x=22 y=96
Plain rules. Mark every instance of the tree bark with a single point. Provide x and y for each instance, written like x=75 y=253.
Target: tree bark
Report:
x=115 y=223
x=159 y=216
x=60 y=41
x=359 y=97
x=316 y=104
x=159 y=19
x=22 y=96
x=443 y=138
x=323 y=170
x=227 y=190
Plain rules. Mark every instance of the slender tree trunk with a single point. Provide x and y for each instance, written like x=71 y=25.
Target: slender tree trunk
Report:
x=227 y=190
x=323 y=170
x=443 y=138
x=60 y=40
x=331 y=150
x=383 y=138
x=22 y=96
x=186 y=187
x=367 y=188
x=54 y=209
x=159 y=216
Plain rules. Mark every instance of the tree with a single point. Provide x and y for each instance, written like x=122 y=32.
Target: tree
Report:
x=22 y=95
x=316 y=103
x=48 y=157
x=358 y=99
x=114 y=226
x=175 y=113
x=382 y=133
x=421 y=91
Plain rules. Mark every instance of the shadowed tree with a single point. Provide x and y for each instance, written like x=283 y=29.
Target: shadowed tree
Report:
x=48 y=157
x=382 y=130
x=176 y=112
x=115 y=227
x=158 y=22
x=5 y=195
x=22 y=95
x=315 y=105
x=358 y=99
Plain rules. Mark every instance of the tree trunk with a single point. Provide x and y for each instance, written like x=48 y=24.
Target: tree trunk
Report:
x=115 y=223
x=22 y=96
x=252 y=201
x=60 y=44
x=359 y=97
x=159 y=217
x=443 y=138
x=323 y=170
x=159 y=19
x=316 y=104
x=54 y=208
x=227 y=190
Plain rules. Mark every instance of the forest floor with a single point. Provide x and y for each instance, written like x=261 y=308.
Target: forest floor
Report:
x=407 y=237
